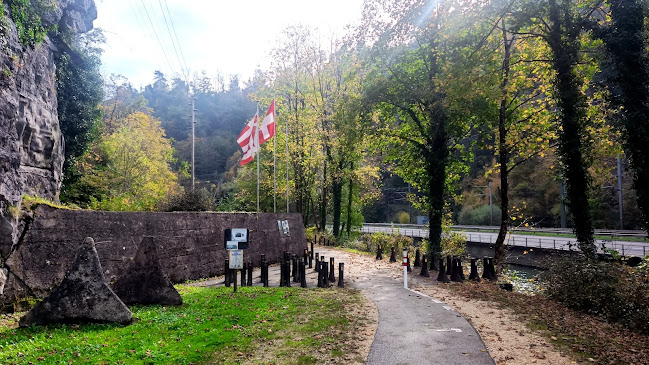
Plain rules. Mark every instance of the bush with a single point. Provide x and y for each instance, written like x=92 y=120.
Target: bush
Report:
x=370 y=243
x=403 y=217
x=606 y=289
x=453 y=243
x=199 y=200
x=480 y=216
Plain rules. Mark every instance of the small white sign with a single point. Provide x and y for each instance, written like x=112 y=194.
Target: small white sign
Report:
x=239 y=234
x=285 y=228
x=236 y=259
x=232 y=245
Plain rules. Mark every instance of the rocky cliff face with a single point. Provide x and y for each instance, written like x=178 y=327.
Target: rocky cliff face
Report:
x=31 y=143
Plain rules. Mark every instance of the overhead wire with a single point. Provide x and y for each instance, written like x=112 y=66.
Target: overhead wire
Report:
x=181 y=58
x=157 y=37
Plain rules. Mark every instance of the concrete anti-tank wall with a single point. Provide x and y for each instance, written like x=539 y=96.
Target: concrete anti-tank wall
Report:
x=190 y=244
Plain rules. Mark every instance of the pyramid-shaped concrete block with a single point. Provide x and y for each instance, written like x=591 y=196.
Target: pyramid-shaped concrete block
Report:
x=81 y=297
x=145 y=282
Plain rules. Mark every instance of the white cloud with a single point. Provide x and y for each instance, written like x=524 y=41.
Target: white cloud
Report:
x=231 y=37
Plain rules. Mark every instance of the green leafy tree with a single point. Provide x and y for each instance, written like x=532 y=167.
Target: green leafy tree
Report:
x=79 y=92
x=627 y=51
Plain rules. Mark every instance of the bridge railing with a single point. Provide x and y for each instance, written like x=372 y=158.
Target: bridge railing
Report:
x=625 y=249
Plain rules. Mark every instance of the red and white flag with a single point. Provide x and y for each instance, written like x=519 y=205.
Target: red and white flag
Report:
x=247 y=141
x=267 y=128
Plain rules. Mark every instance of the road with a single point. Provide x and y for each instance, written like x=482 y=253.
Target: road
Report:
x=626 y=248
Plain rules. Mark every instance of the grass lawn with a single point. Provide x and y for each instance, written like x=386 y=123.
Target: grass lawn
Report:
x=214 y=325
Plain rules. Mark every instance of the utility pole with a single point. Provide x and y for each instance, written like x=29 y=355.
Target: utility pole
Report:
x=619 y=190
x=562 y=197
x=491 y=206
x=193 y=145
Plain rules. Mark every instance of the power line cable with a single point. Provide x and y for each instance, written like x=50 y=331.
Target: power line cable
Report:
x=173 y=27
x=157 y=37
x=180 y=63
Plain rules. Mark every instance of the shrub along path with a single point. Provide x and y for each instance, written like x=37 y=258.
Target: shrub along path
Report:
x=412 y=328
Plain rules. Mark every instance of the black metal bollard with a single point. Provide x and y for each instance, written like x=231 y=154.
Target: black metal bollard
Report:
x=294 y=268
x=250 y=267
x=325 y=275
x=433 y=262
x=379 y=252
x=298 y=263
x=424 y=267
x=311 y=255
x=417 y=258
x=455 y=271
x=287 y=272
x=408 y=264
x=474 y=271
x=442 y=272
x=310 y=259
x=460 y=270
x=264 y=269
x=320 y=275
x=492 y=268
x=263 y=261
x=488 y=271
x=226 y=275
x=341 y=274
x=281 y=274
x=243 y=274
x=393 y=256
x=332 y=277
x=449 y=265
x=303 y=274
x=317 y=262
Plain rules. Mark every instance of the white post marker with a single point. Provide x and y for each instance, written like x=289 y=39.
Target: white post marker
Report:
x=405 y=269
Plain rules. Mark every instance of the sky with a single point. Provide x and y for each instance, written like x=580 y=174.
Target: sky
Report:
x=216 y=36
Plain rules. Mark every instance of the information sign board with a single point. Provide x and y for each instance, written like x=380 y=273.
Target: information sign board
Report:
x=236 y=259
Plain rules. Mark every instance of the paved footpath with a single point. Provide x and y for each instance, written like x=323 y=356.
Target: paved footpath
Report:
x=413 y=328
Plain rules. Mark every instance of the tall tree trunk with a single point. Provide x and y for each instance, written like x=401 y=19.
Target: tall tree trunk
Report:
x=323 y=203
x=503 y=152
x=563 y=41
x=349 y=204
x=625 y=42
x=337 y=197
x=437 y=173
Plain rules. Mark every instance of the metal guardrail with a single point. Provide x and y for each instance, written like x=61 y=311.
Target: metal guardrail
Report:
x=559 y=243
x=598 y=232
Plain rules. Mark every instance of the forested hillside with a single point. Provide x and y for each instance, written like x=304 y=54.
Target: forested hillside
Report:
x=414 y=113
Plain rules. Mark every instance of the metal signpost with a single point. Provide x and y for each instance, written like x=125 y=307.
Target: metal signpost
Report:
x=405 y=269
x=236 y=240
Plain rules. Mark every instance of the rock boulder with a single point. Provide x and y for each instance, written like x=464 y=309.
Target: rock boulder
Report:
x=81 y=297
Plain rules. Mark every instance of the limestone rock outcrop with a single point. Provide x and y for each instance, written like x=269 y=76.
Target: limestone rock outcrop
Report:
x=31 y=142
x=81 y=297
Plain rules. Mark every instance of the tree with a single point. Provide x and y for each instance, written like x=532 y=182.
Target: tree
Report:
x=408 y=85
x=627 y=50
x=128 y=168
x=79 y=92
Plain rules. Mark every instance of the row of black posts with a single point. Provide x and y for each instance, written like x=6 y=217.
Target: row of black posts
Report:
x=452 y=267
x=246 y=273
x=325 y=272
x=291 y=265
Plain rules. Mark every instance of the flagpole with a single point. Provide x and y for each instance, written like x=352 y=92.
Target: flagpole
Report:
x=287 y=210
x=258 y=155
x=275 y=165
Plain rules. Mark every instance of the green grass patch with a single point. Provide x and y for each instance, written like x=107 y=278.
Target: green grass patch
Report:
x=215 y=325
